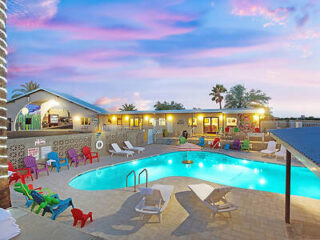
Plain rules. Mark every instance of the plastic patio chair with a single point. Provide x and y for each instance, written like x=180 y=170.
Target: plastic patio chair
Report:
x=182 y=140
x=75 y=158
x=236 y=130
x=90 y=155
x=58 y=164
x=78 y=215
x=216 y=143
x=31 y=163
x=16 y=175
x=201 y=142
x=236 y=144
x=245 y=145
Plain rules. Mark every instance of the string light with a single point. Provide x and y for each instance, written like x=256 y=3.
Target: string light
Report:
x=3 y=99
x=2 y=78
x=3 y=127
x=3 y=165
x=3 y=32
x=3 y=4
x=3 y=156
x=3 y=23
x=4 y=42
x=5 y=61
x=3 y=138
x=1 y=10
x=3 y=49
x=3 y=89
x=4 y=118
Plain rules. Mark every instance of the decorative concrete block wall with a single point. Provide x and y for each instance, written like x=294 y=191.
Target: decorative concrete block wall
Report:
x=39 y=147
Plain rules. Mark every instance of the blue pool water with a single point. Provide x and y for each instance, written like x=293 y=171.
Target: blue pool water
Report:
x=213 y=167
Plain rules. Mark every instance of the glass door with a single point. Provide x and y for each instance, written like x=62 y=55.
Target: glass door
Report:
x=210 y=124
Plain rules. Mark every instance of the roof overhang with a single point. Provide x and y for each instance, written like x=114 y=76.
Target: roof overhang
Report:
x=311 y=165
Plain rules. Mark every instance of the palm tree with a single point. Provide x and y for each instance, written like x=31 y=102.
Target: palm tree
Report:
x=27 y=87
x=216 y=94
x=4 y=187
x=128 y=107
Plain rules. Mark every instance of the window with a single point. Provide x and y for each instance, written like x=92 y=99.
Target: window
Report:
x=232 y=121
x=152 y=122
x=162 y=122
x=85 y=121
x=193 y=122
x=135 y=122
x=119 y=121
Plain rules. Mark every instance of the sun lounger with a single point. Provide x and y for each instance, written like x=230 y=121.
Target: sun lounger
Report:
x=213 y=198
x=271 y=149
x=132 y=148
x=282 y=152
x=154 y=200
x=118 y=150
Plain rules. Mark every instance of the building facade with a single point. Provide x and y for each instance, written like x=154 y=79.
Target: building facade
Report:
x=195 y=122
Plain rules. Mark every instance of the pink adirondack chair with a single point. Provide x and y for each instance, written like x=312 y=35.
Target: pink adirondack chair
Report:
x=31 y=163
x=75 y=158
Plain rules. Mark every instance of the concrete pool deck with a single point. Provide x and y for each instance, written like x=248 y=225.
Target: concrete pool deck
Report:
x=260 y=214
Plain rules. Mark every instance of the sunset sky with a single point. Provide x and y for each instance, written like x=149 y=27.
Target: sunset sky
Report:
x=111 y=52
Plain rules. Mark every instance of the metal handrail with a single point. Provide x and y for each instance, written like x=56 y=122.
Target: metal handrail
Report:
x=135 y=180
x=144 y=170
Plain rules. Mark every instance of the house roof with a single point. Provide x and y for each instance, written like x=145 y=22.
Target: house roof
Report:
x=230 y=111
x=66 y=97
x=303 y=143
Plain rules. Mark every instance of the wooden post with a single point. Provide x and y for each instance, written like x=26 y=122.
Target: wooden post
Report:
x=288 y=186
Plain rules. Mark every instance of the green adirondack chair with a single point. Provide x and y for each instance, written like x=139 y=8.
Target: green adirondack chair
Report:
x=182 y=140
x=245 y=146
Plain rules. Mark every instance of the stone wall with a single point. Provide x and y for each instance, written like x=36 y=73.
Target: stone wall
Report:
x=18 y=147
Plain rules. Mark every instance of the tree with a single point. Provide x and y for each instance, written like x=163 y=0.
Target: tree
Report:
x=25 y=88
x=4 y=186
x=216 y=94
x=239 y=97
x=128 y=107
x=168 y=106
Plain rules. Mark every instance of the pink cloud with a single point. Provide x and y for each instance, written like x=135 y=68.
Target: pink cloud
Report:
x=106 y=101
x=277 y=15
x=31 y=14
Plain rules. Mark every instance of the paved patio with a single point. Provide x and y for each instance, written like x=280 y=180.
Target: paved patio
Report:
x=260 y=214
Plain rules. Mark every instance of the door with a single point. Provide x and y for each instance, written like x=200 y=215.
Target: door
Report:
x=210 y=124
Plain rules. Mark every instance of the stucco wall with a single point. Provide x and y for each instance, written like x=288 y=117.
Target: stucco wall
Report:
x=18 y=148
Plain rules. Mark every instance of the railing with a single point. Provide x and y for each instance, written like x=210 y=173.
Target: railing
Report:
x=144 y=170
x=135 y=181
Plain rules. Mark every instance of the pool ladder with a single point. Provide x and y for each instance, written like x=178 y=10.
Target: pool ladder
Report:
x=135 y=178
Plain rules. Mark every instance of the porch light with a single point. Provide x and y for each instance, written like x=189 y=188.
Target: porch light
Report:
x=169 y=118
x=261 y=111
x=200 y=117
x=146 y=118
x=76 y=118
x=127 y=118
x=114 y=118
x=221 y=117
x=24 y=111
x=256 y=117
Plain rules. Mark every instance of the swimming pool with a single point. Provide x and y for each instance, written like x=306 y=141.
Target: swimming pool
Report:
x=213 y=167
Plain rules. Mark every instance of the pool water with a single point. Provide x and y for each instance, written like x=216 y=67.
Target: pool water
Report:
x=213 y=167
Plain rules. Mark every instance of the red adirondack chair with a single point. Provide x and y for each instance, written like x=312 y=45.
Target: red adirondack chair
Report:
x=216 y=143
x=17 y=173
x=78 y=215
x=90 y=155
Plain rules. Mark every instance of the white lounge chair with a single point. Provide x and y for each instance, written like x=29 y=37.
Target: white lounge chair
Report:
x=154 y=200
x=118 y=150
x=271 y=149
x=132 y=148
x=211 y=197
x=282 y=152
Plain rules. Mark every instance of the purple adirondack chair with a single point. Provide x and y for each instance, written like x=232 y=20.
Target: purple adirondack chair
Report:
x=74 y=157
x=236 y=144
x=31 y=163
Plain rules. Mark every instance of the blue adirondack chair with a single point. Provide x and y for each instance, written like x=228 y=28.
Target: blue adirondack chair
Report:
x=58 y=208
x=58 y=164
x=201 y=142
